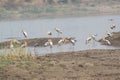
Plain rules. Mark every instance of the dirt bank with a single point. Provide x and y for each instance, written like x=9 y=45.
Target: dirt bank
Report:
x=30 y=42
x=81 y=65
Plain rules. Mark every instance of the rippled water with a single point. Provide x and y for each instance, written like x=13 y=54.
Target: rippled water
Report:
x=79 y=27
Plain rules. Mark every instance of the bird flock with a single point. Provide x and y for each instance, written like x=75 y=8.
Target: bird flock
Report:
x=92 y=37
x=61 y=42
x=72 y=40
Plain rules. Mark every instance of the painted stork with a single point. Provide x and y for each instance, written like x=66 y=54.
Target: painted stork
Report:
x=25 y=33
x=106 y=41
x=109 y=34
x=113 y=26
x=49 y=43
x=58 y=31
x=90 y=38
x=49 y=33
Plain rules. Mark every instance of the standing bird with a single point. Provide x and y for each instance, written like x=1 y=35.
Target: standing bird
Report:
x=35 y=48
x=109 y=34
x=113 y=26
x=49 y=33
x=25 y=33
x=90 y=38
x=58 y=31
x=67 y=40
x=107 y=42
x=63 y=41
x=49 y=43
x=72 y=40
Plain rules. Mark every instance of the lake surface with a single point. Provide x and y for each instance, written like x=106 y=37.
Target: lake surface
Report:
x=78 y=27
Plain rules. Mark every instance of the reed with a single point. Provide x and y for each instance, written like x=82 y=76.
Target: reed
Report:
x=15 y=54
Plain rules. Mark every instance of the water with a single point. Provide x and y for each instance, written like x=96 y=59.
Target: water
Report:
x=78 y=27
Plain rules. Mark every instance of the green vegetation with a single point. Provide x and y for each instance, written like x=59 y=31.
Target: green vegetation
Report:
x=16 y=54
x=4 y=63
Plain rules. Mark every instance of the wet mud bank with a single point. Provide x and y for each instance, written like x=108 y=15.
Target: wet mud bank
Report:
x=30 y=42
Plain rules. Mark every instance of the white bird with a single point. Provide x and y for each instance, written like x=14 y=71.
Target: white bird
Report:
x=25 y=33
x=60 y=42
x=106 y=41
x=67 y=40
x=109 y=34
x=49 y=43
x=91 y=37
x=58 y=31
x=113 y=26
x=72 y=40
x=63 y=41
x=49 y=33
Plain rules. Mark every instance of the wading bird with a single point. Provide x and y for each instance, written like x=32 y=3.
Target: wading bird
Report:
x=70 y=40
x=63 y=41
x=35 y=50
x=49 y=33
x=25 y=33
x=58 y=31
x=107 y=42
x=67 y=40
x=49 y=43
x=109 y=34
x=113 y=26
x=92 y=37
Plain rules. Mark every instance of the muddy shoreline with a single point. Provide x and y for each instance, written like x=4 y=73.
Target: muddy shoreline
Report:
x=114 y=39
x=96 y=64
x=30 y=42
x=80 y=65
